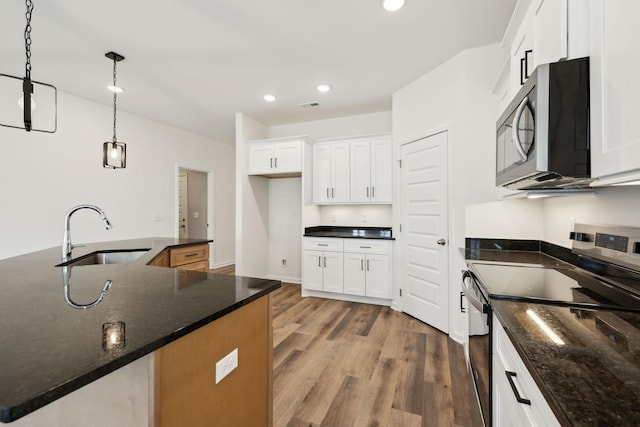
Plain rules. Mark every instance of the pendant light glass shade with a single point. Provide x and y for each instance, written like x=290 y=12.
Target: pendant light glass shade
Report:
x=114 y=155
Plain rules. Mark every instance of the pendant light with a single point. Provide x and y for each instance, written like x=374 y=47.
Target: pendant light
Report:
x=114 y=153
x=18 y=108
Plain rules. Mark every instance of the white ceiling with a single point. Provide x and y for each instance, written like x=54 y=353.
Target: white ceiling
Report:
x=194 y=63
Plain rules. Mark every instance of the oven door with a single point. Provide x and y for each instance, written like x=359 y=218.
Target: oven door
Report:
x=479 y=343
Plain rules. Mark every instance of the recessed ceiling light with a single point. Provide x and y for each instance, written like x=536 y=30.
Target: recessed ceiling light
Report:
x=392 y=5
x=323 y=88
x=269 y=98
x=115 y=89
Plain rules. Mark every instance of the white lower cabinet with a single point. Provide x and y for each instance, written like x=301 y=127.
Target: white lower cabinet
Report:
x=323 y=265
x=362 y=267
x=517 y=400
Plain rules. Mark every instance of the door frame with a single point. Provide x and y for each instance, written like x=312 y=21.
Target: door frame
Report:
x=398 y=213
x=210 y=203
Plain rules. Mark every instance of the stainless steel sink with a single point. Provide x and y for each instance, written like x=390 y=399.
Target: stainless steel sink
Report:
x=106 y=257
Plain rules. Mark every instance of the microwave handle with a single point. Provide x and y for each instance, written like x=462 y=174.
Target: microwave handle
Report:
x=516 y=120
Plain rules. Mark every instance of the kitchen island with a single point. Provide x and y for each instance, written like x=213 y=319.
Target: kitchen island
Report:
x=154 y=337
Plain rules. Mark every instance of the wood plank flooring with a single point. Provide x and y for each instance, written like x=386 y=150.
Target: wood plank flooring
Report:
x=339 y=363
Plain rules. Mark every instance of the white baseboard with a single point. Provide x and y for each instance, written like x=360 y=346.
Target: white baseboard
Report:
x=296 y=280
x=224 y=263
x=345 y=297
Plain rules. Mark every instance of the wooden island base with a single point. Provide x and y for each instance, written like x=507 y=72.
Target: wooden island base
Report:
x=186 y=393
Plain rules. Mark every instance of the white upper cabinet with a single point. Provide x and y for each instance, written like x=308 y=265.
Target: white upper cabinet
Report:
x=281 y=157
x=541 y=32
x=331 y=172
x=371 y=161
x=615 y=90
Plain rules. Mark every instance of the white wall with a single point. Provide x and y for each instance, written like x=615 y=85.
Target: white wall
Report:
x=455 y=97
x=609 y=206
x=285 y=225
x=508 y=219
x=364 y=124
x=252 y=204
x=356 y=215
x=43 y=175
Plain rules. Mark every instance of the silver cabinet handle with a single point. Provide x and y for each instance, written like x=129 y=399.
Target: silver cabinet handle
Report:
x=362 y=265
x=319 y=265
x=441 y=242
x=368 y=265
x=367 y=192
x=327 y=192
x=323 y=244
x=332 y=193
x=373 y=191
x=271 y=162
x=365 y=247
x=276 y=163
x=325 y=262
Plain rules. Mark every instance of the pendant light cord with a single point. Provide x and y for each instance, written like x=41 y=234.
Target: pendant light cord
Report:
x=27 y=39
x=115 y=96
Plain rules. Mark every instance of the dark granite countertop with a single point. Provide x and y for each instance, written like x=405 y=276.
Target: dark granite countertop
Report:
x=50 y=348
x=594 y=378
x=383 y=233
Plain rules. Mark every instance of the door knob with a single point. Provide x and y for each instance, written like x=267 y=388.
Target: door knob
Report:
x=441 y=242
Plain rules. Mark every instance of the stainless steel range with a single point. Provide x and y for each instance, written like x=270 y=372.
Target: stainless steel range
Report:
x=604 y=274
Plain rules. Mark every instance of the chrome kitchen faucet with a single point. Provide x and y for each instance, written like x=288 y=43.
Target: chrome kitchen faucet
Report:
x=66 y=241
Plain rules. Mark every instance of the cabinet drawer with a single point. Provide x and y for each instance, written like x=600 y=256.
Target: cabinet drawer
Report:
x=188 y=255
x=328 y=244
x=366 y=246
x=195 y=266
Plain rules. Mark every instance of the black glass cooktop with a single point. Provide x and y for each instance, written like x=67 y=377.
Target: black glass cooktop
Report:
x=566 y=286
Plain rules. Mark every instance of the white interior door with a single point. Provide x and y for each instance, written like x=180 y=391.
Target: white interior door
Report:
x=423 y=198
x=183 y=214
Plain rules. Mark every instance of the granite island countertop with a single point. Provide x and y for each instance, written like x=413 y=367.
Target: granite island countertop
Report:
x=594 y=378
x=50 y=348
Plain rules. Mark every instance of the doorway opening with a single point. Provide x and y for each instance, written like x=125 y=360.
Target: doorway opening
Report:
x=194 y=205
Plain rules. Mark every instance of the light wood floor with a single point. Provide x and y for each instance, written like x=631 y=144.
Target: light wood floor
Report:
x=347 y=364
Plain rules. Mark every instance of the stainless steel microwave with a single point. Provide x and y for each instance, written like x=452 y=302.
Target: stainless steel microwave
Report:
x=542 y=139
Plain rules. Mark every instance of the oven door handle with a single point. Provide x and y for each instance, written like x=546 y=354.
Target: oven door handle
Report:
x=514 y=129
x=470 y=294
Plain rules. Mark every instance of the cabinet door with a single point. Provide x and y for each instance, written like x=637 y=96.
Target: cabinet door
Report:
x=550 y=31
x=381 y=164
x=354 y=274
x=523 y=43
x=288 y=157
x=312 y=264
x=260 y=158
x=340 y=172
x=321 y=173
x=378 y=272
x=360 y=171
x=332 y=278
x=615 y=87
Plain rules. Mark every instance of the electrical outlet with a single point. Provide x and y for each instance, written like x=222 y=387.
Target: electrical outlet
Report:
x=284 y=262
x=226 y=365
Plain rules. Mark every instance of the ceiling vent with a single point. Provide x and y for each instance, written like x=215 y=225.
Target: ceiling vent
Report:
x=309 y=104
